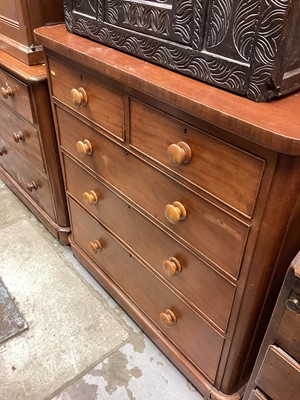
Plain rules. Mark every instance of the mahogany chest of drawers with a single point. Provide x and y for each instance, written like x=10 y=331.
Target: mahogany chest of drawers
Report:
x=248 y=47
x=29 y=162
x=276 y=374
x=183 y=199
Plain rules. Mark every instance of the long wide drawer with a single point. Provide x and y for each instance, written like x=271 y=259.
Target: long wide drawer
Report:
x=16 y=95
x=28 y=177
x=195 y=338
x=211 y=293
x=201 y=159
x=279 y=376
x=210 y=230
x=88 y=96
x=22 y=136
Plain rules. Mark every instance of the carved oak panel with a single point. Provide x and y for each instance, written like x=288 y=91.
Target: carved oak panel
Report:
x=238 y=45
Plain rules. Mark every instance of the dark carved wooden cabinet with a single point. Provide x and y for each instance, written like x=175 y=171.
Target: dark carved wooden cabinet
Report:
x=29 y=162
x=183 y=199
x=248 y=47
x=276 y=374
x=18 y=19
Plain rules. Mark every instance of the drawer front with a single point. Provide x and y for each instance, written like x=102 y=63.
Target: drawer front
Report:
x=288 y=334
x=149 y=293
x=279 y=376
x=22 y=136
x=228 y=173
x=16 y=95
x=30 y=179
x=205 y=288
x=105 y=104
x=257 y=395
x=208 y=229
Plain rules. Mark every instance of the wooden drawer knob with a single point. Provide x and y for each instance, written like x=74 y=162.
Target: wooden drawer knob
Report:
x=95 y=246
x=2 y=151
x=90 y=198
x=7 y=91
x=175 y=212
x=32 y=186
x=168 y=318
x=79 y=97
x=84 y=147
x=171 y=266
x=179 y=153
x=18 y=136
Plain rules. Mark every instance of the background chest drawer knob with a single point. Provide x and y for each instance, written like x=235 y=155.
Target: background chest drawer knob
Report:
x=95 y=246
x=168 y=318
x=90 y=197
x=179 y=153
x=171 y=266
x=2 y=151
x=293 y=304
x=84 y=147
x=7 y=91
x=79 y=97
x=175 y=212
x=18 y=136
x=32 y=186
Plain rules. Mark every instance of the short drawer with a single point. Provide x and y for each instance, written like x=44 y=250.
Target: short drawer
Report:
x=208 y=229
x=29 y=178
x=228 y=173
x=22 y=136
x=90 y=97
x=16 y=94
x=211 y=293
x=149 y=293
x=279 y=376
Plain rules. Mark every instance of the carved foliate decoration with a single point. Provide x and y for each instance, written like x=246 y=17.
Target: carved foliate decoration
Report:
x=87 y=7
x=229 y=43
x=146 y=19
x=244 y=27
x=184 y=21
x=221 y=12
x=261 y=85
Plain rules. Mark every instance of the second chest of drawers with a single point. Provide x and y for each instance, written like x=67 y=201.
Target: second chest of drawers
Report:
x=276 y=374
x=171 y=214
x=29 y=162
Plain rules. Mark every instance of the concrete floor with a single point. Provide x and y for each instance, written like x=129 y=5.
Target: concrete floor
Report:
x=127 y=367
